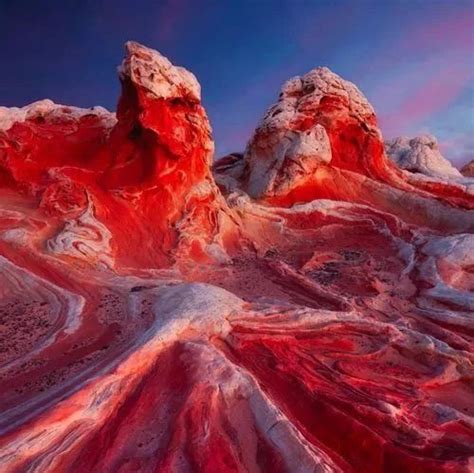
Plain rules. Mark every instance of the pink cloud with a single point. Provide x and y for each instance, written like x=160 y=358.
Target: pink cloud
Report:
x=426 y=71
x=454 y=31
x=439 y=90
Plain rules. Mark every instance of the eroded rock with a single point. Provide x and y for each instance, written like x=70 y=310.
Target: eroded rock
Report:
x=310 y=312
x=421 y=155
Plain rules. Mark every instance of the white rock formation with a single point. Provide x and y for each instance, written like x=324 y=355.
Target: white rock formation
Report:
x=281 y=146
x=292 y=158
x=85 y=238
x=421 y=155
x=309 y=89
x=47 y=108
x=156 y=74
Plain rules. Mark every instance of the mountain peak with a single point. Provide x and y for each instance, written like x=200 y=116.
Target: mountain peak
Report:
x=321 y=82
x=155 y=73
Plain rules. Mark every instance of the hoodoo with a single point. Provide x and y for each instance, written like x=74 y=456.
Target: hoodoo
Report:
x=141 y=174
x=319 y=117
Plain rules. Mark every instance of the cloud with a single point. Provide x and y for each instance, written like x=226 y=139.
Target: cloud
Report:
x=425 y=73
x=439 y=89
x=453 y=31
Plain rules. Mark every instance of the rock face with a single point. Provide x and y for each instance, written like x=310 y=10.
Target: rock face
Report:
x=160 y=153
x=149 y=165
x=421 y=155
x=468 y=169
x=304 y=307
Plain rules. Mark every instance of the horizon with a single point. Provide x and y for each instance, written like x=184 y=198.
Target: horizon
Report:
x=418 y=74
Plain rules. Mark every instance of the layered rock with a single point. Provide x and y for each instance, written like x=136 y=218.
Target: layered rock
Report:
x=159 y=157
x=319 y=119
x=321 y=140
x=53 y=137
x=313 y=313
x=150 y=164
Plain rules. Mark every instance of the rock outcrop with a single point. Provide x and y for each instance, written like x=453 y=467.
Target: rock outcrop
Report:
x=160 y=153
x=468 y=169
x=149 y=164
x=319 y=119
x=305 y=306
x=421 y=155
x=321 y=140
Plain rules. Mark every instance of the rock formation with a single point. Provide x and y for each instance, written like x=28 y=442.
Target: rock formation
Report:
x=141 y=173
x=319 y=119
x=468 y=169
x=303 y=307
x=321 y=140
x=421 y=155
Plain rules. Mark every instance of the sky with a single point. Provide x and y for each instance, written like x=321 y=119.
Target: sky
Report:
x=413 y=59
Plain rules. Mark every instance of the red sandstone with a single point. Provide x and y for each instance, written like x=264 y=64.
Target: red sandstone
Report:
x=303 y=307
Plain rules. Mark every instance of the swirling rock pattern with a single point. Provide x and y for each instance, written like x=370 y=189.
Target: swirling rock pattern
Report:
x=303 y=307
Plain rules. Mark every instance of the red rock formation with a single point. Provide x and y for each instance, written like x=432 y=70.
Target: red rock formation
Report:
x=320 y=140
x=159 y=156
x=143 y=174
x=316 y=318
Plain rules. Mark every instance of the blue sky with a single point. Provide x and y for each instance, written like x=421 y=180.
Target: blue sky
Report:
x=413 y=59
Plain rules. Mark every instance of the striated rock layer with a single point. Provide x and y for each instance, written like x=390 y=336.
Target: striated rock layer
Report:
x=305 y=307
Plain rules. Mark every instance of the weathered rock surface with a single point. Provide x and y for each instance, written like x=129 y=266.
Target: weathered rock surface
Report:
x=143 y=171
x=421 y=155
x=319 y=119
x=321 y=140
x=468 y=169
x=307 y=308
